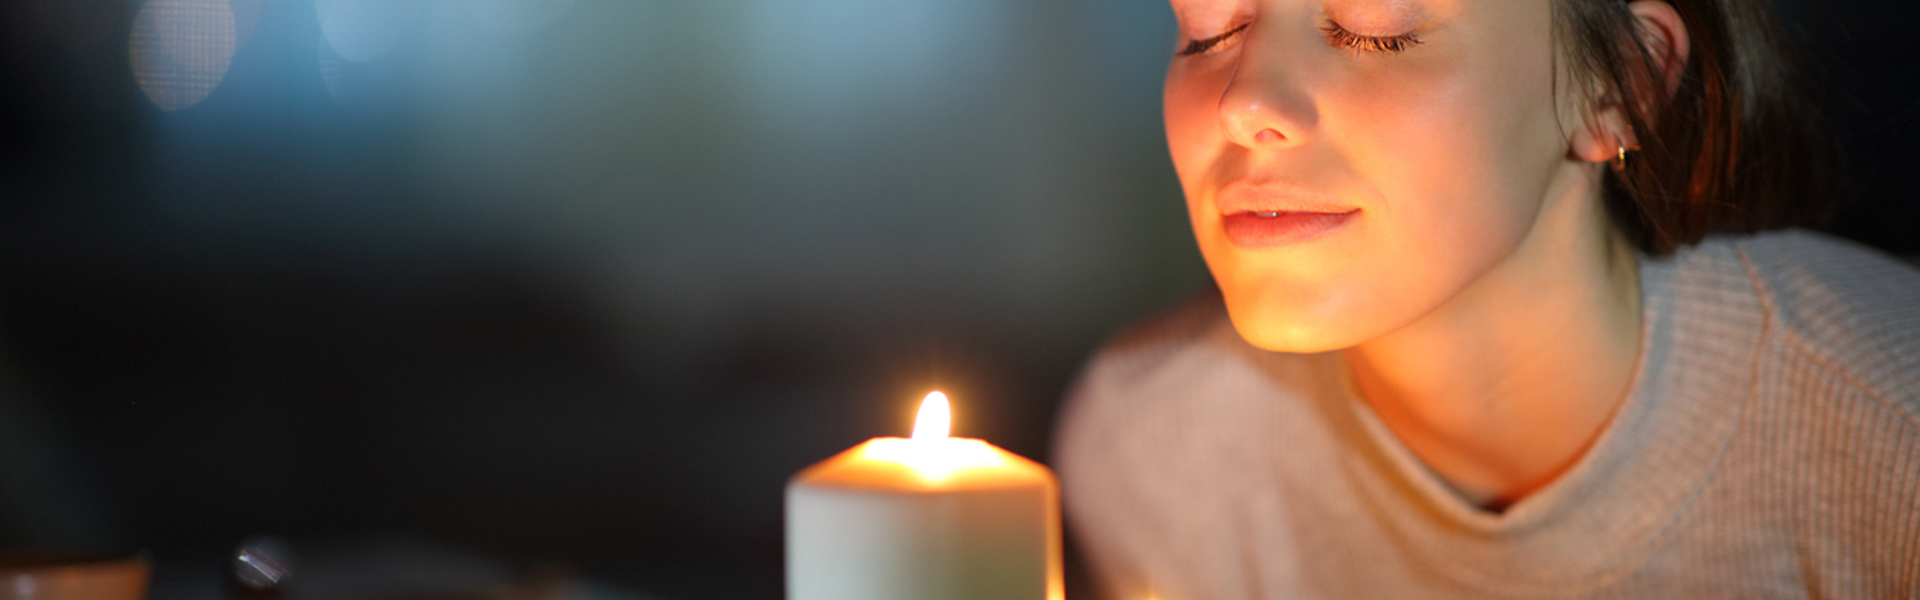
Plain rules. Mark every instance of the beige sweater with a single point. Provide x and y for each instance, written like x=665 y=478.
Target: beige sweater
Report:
x=1770 y=449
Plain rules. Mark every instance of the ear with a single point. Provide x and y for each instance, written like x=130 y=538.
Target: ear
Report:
x=1664 y=36
x=1605 y=135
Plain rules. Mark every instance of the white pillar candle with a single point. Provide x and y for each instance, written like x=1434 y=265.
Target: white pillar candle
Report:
x=927 y=518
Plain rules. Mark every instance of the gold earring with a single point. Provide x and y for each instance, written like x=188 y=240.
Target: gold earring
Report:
x=1620 y=155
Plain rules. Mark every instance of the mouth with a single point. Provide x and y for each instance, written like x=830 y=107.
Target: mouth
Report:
x=1252 y=229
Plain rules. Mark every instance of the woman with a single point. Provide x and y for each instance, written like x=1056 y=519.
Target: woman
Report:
x=1493 y=319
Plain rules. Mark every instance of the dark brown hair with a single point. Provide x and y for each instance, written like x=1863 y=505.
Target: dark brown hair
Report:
x=1739 y=145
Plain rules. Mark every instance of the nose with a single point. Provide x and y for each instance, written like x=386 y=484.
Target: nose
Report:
x=1265 y=105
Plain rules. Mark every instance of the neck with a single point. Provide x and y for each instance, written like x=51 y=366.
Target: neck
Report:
x=1505 y=386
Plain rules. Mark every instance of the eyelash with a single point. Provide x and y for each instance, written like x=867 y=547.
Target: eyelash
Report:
x=1202 y=46
x=1337 y=37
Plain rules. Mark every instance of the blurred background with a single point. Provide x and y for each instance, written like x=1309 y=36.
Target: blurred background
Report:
x=495 y=285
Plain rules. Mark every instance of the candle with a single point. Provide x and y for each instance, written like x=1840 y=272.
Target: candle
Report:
x=932 y=517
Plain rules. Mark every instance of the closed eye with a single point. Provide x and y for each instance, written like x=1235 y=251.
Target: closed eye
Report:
x=1202 y=46
x=1339 y=37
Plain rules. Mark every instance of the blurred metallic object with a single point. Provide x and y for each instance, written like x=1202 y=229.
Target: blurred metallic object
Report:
x=261 y=568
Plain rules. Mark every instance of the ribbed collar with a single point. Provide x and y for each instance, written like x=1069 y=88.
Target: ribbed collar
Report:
x=1703 y=325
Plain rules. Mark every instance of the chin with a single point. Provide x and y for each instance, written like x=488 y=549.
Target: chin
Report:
x=1276 y=325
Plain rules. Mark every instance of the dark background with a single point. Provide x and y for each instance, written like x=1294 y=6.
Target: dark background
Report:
x=583 y=282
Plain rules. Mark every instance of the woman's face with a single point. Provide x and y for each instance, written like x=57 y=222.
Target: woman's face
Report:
x=1351 y=165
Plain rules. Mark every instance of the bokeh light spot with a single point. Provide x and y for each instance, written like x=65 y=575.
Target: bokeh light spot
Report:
x=363 y=30
x=842 y=59
x=516 y=16
x=246 y=18
x=333 y=70
x=180 y=50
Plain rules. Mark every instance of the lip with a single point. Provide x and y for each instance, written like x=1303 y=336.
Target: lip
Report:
x=1258 y=230
x=1272 y=214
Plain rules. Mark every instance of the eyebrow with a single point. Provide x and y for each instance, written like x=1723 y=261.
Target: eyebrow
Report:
x=1387 y=14
x=1195 y=12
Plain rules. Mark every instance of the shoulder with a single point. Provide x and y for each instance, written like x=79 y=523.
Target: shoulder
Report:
x=1111 y=387
x=1845 y=308
x=1159 y=342
x=1176 y=422
x=1177 y=386
x=1116 y=447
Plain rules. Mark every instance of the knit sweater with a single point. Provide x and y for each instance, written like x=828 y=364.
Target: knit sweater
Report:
x=1769 y=448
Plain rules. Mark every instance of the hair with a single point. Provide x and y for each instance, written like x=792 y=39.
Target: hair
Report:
x=1738 y=146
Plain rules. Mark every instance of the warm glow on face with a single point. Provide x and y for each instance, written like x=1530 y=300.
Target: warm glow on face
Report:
x=1446 y=151
x=936 y=418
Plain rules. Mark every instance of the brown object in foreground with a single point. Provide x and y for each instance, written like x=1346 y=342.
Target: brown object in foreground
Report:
x=62 y=574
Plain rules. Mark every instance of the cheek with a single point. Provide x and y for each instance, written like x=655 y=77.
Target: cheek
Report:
x=1460 y=162
x=1190 y=103
x=1448 y=156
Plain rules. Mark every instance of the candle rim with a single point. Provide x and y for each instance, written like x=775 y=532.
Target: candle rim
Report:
x=854 y=469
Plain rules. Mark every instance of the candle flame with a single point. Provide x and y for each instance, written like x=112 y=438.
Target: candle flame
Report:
x=932 y=451
x=935 y=420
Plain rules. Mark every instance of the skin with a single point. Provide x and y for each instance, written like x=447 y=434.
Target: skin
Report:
x=1486 y=307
